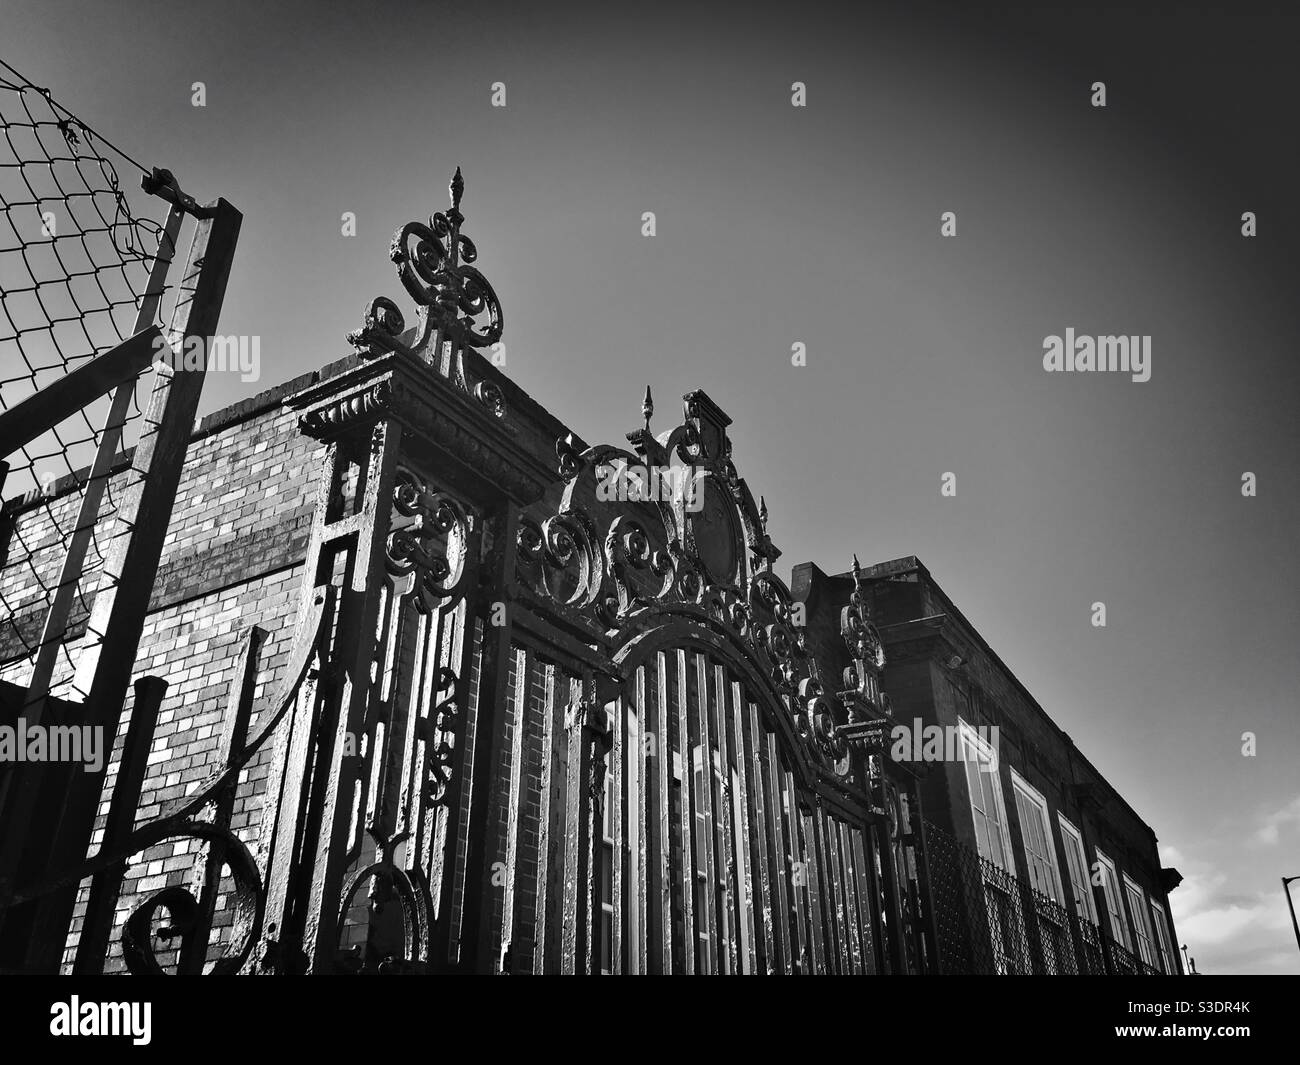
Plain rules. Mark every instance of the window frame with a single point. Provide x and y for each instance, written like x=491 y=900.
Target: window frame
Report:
x=1021 y=788
x=1007 y=941
x=1072 y=844
x=1141 y=926
x=1111 y=883
x=969 y=739
x=1162 y=940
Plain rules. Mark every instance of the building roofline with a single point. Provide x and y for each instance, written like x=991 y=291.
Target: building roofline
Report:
x=909 y=564
x=272 y=399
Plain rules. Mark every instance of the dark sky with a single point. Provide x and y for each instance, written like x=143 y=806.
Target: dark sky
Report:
x=820 y=225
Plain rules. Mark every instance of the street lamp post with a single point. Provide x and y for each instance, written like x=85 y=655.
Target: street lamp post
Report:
x=1286 y=886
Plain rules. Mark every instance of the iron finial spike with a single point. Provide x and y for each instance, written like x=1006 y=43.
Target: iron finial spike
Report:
x=456 y=188
x=647 y=407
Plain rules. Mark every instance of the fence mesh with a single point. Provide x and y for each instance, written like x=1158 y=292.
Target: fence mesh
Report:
x=75 y=261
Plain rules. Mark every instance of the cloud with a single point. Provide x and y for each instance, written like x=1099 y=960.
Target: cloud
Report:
x=1227 y=919
x=1270 y=831
x=1229 y=930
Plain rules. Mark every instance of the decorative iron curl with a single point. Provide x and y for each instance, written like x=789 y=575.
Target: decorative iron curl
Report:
x=439 y=729
x=824 y=717
x=558 y=555
x=570 y=458
x=249 y=907
x=638 y=572
x=477 y=297
x=438 y=275
x=382 y=326
x=490 y=395
x=433 y=264
x=421 y=517
x=419 y=265
x=388 y=882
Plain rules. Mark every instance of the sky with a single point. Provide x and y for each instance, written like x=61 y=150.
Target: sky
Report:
x=778 y=225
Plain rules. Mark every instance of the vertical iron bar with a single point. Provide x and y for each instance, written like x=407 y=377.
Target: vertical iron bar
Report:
x=97 y=924
x=234 y=735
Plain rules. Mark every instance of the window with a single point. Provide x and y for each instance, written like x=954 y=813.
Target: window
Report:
x=1044 y=877
x=1036 y=834
x=1006 y=925
x=1164 y=950
x=1137 y=908
x=985 y=798
x=1076 y=864
x=1114 y=909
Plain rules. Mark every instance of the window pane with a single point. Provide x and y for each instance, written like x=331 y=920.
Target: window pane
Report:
x=973 y=782
x=993 y=808
x=982 y=836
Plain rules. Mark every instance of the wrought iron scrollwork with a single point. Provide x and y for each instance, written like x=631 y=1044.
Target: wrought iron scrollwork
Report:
x=708 y=565
x=866 y=648
x=382 y=327
x=456 y=302
x=570 y=459
x=247 y=903
x=490 y=395
x=560 y=557
x=434 y=265
x=439 y=729
x=388 y=883
x=427 y=537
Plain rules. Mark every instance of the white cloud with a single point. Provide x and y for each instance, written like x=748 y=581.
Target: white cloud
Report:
x=1230 y=931
x=1270 y=831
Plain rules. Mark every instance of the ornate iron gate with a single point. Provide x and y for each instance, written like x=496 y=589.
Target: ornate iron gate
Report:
x=538 y=717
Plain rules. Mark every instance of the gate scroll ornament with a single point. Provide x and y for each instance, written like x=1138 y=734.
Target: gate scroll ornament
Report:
x=456 y=304
x=617 y=568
